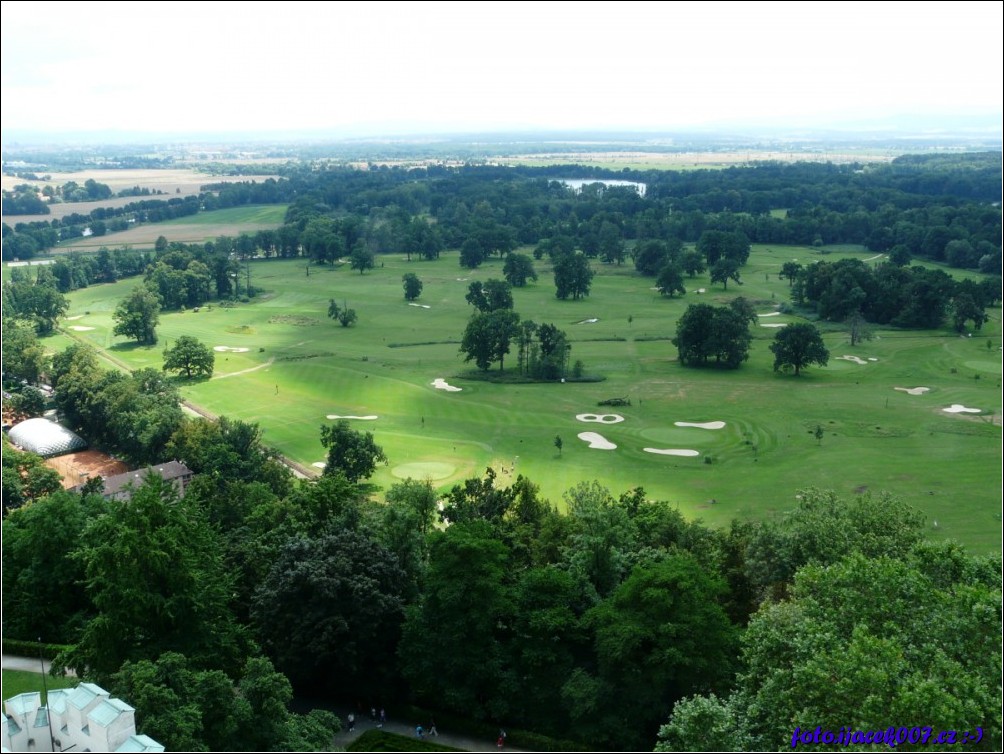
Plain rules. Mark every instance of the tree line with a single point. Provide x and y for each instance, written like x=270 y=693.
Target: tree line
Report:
x=913 y=208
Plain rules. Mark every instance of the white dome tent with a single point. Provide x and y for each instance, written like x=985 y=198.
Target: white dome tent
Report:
x=46 y=438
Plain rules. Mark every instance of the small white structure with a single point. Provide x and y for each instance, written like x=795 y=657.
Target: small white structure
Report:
x=84 y=718
x=45 y=438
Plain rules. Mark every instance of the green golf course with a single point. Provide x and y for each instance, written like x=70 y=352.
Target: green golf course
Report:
x=289 y=367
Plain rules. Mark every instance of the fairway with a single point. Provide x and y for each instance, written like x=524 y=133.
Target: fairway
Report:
x=288 y=367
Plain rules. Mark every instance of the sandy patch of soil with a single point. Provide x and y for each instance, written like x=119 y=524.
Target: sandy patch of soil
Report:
x=701 y=425
x=913 y=390
x=601 y=418
x=596 y=440
x=958 y=408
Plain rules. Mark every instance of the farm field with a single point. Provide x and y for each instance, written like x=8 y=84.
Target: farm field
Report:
x=300 y=367
x=199 y=228
x=174 y=182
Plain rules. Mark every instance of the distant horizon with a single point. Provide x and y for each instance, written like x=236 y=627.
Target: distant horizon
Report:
x=986 y=127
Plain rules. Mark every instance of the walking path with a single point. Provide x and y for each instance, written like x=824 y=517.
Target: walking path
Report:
x=33 y=664
x=364 y=723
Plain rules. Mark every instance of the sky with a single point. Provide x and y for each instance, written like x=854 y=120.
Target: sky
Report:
x=384 y=68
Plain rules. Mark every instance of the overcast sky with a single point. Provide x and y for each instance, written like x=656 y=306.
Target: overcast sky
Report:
x=397 y=67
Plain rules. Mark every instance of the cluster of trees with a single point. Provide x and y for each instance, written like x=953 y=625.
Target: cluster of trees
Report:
x=720 y=336
x=891 y=295
x=132 y=415
x=721 y=333
x=32 y=295
x=543 y=350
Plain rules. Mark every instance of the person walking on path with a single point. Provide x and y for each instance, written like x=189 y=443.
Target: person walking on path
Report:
x=352 y=722
x=383 y=718
x=432 y=728
x=418 y=731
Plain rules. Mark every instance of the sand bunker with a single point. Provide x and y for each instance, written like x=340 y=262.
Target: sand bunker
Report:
x=420 y=306
x=958 y=408
x=774 y=324
x=80 y=328
x=587 y=321
x=230 y=349
x=601 y=418
x=770 y=314
x=319 y=464
x=672 y=451
x=702 y=290
x=913 y=390
x=75 y=316
x=701 y=425
x=440 y=384
x=371 y=417
x=855 y=359
x=596 y=440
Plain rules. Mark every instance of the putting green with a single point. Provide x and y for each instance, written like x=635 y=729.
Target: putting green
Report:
x=985 y=366
x=424 y=470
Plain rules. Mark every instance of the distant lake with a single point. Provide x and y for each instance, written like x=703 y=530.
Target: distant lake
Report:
x=578 y=183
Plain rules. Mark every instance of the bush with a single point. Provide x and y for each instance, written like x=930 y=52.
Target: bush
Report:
x=23 y=648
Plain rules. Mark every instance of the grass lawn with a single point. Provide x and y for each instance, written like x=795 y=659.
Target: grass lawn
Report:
x=22 y=681
x=378 y=740
x=300 y=367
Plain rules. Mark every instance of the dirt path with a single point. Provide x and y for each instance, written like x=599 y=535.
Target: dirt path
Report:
x=245 y=371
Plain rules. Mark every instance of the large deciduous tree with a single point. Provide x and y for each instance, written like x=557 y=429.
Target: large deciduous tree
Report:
x=138 y=315
x=352 y=453
x=572 y=276
x=412 y=286
x=518 y=269
x=487 y=337
x=191 y=356
x=798 y=345
x=705 y=332
x=660 y=636
x=489 y=296
x=330 y=612
x=670 y=280
x=453 y=654
x=153 y=570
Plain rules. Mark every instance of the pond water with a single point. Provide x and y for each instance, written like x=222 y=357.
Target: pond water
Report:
x=577 y=183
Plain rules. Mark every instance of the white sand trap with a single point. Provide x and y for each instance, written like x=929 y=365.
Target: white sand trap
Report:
x=462 y=280
x=701 y=425
x=855 y=359
x=601 y=418
x=230 y=349
x=770 y=314
x=371 y=417
x=318 y=464
x=440 y=384
x=872 y=358
x=596 y=440
x=80 y=328
x=774 y=324
x=589 y=321
x=958 y=408
x=913 y=390
x=672 y=451
x=420 y=306
x=702 y=290
x=75 y=316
